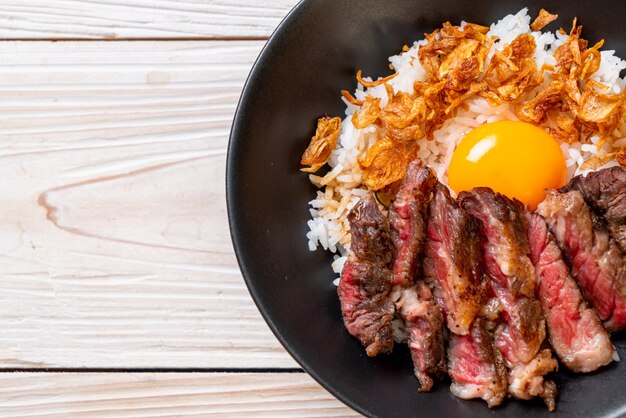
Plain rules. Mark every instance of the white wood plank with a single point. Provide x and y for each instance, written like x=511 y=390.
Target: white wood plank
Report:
x=113 y=19
x=114 y=243
x=165 y=394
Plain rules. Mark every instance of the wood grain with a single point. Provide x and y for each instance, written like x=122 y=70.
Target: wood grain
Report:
x=166 y=394
x=117 y=19
x=114 y=241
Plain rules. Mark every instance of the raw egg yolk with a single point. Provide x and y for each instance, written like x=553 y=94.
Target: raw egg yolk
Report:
x=517 y=159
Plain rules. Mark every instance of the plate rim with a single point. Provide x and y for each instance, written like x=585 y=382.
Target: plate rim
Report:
x=235 y=223
x=231 y=208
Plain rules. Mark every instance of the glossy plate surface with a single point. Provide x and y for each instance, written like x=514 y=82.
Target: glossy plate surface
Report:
x=314 y=54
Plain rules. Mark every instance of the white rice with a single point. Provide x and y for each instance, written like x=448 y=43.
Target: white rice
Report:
x=341 y=188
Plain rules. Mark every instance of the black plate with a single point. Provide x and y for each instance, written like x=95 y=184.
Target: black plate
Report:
x=313 y=54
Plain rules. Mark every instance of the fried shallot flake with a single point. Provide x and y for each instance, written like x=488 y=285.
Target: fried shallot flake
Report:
x=464 y=50
x=350 y=98
x=511 y=71
x=402 y=117
x=384 y=163
x=368 y=113
x=567 y=128
x=598 y=107
x=322 y=143
x=596 y=162
x=590 y=60
x=448 y=46
x=569 y=55
x=374 y=83
x=599 y=112
x=534 y=110
x=543 y=20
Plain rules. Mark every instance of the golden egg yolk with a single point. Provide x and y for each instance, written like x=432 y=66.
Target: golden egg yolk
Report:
x=517 y=159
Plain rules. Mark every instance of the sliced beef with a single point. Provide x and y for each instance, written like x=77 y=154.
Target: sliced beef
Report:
x=596 y=262
x=512 y=275
x=476 y=366
x=424 y=328
x=414 y=302
x=453 y=269
x=526 y=380
x=574 y=329
x=605 y=192
x=521 y=331
x=453 y=261
x=407 y=217
x=366 y=279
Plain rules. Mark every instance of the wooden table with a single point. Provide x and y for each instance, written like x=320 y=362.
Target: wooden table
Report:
x=120 y=292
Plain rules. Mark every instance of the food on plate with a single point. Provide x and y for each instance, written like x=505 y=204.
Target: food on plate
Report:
x=424 y=333
x=476 y=366
x=596 y=261
x=414 y=302
x=325 y=139
x=526 y=380
x=476 y=204
x=542 y=20
x=453 y=261
x=453 y=268
x=503 y=156
x=366 y=279
x=575 y=331
x=511 y=274
x=407 y=217
x=605 y=193
x=520 y=333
